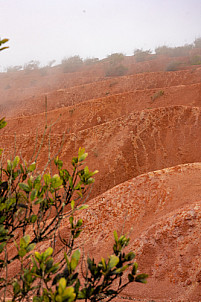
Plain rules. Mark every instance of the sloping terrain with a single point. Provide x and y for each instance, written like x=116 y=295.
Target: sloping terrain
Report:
x=143 y=133
x=161 y=212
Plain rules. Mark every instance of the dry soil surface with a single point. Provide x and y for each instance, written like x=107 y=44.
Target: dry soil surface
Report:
x=143 y=133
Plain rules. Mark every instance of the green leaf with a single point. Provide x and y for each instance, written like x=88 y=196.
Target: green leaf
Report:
x=76 y=255
x=16 y=288
x=48 y=252
x=90 y=180
x=3 y=123
x=82 y=157
x=72 y=204
x=32 y=167
x=93 y=173
x=24 y=187
x=68 y=294
x=33 y=218
x=82 y=294
x=36 y=299
x=9 y=165
x=2 y=48
x=77 y=286
x=47 y=179
x=86 y=170
x=56 y=181
x=71 y=221
x=121 y=269
x=73 y=264
x=77 y=234
x=58 y=162
x=67 y=261
x=79 y=223
x=54 y=268
x=30 y=247
x=34 y=194
x=134 y=269
x=62 y=285
x=37 y=181
x=27 y=239
x=22 y=252
x=114 y=260
x=49 y=263
x=2 y=219
x=83 y=207
x=104 y=264
x=74 y=161
x=130 y=278
x=130 y=256
x=24 y=241
x=142 y=278
x=2 y=42
x=115 y=236
x=40 y=200
x=70 y=182
x=38 y=256
x=2 y=245
x=16 y=162
x=29 y=183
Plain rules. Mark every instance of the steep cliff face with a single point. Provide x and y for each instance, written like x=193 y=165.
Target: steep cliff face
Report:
x=143 y=134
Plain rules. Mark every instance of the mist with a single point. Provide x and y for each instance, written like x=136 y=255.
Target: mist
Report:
x=54 y=29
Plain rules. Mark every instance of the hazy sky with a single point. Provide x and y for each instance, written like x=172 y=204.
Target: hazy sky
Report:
x=53 y=29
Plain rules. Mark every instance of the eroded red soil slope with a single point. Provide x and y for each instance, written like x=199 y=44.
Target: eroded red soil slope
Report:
x=135 y=128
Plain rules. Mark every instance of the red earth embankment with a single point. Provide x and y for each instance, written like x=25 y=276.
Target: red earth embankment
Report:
x=143 y=134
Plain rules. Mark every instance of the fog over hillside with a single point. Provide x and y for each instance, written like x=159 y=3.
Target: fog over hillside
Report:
x=54 y=29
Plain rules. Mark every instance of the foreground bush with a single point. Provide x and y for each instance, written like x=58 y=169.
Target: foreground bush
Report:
x=32 y=206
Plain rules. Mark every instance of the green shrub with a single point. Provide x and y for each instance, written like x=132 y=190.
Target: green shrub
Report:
x=157 y=95
x=141 y=55
x=28 y=200
x=115 y=58
x=197 y=43
x=14 y=68
x=174 y=51
x=195 y=60
x=173 y=66
x=116 y=71
x=91 y=61
x=44 y=71
x=162 y=50
x=32 y=65
x=71 y=64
